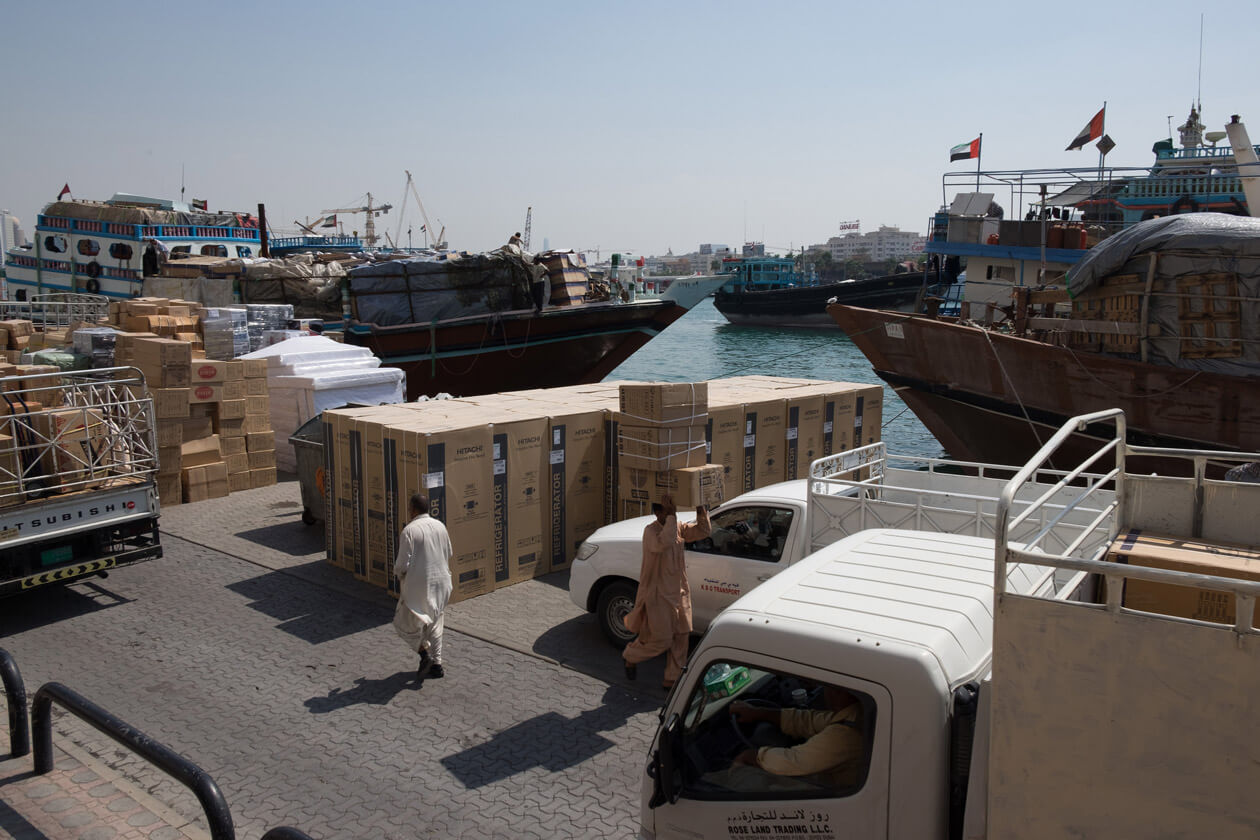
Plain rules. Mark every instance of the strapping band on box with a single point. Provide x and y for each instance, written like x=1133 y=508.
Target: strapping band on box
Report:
x=693 y=416
x=672 y=448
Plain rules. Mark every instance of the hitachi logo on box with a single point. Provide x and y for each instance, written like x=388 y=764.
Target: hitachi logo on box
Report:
x=470 y=450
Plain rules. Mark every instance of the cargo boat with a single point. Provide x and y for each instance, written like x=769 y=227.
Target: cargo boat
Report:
x=770 y=292
x=1157 y=318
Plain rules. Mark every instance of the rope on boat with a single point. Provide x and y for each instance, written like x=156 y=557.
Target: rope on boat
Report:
x=1014 y=390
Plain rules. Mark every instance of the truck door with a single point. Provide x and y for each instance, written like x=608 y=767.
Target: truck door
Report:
x=747 y=546
x=815 y=764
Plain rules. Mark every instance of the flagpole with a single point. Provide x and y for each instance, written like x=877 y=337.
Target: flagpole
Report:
x=1104 y=134
x=979 y=152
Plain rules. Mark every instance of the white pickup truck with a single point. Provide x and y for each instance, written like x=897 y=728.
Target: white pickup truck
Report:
x=761 y=533
x=963 y=687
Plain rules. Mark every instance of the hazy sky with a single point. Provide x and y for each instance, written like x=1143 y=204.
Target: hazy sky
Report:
x=627 y=126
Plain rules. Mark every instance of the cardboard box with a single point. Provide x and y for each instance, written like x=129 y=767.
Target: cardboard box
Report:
x=230 y=426
x=169 y=433
x=170 y=403
x=689 y=487
x=238 y=463
x=459 y=486
x=260 y=441
x=81 y=439
x=665 y=403
x=724 y=441
x=661 y=448
x=209 y=371
x=1159 y=551
x=258 y=405
x=196 y=453
x=765 y=433
x=170 y=489
x=238 y=481
x=576 y=494
x=232 y=445
x=234 y=389
x=256 y=387
x=208 y=481
x=205 y=393
x=254 y=368
x=235 y=371
x=232 y=409
x=169 y=460
x=256 y=423
x=520 y=469
x=196 y=427
x=262 y=478
x=261 y=460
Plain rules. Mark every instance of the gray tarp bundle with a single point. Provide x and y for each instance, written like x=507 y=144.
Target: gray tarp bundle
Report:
x=421 y=289
x=1183 y=245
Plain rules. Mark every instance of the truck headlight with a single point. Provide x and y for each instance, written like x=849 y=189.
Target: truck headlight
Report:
x=587 y=550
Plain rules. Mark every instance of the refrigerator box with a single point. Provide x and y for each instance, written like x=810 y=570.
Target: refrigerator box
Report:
x=664 y=403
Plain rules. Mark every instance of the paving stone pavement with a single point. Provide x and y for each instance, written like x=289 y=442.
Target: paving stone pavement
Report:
x=282 y=678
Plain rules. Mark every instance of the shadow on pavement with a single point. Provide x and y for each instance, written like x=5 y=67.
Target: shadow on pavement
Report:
x=313 y=615
x=52 y=603
x=372 y=692
x=579 y=644
x=550 y=741
x=289 y=537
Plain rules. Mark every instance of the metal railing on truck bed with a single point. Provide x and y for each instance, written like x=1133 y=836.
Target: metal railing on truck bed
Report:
x=860 y=489
x=1136 y=718
x=78 y=457
x=57 y=309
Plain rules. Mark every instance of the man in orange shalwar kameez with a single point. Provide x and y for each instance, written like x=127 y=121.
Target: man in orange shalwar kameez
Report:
x=662 y=606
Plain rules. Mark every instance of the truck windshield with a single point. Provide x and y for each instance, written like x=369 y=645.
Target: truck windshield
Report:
x=774 y=735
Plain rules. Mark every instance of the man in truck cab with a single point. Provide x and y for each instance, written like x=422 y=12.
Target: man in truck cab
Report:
x=832 y=753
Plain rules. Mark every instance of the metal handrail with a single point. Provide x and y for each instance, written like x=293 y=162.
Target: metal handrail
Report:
x=181 y=769
x=15 y=691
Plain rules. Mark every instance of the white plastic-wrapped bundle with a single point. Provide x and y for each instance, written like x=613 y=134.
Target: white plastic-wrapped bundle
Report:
x=96 y=343
x=263 y=317
x=225 y=332
x=308 y=374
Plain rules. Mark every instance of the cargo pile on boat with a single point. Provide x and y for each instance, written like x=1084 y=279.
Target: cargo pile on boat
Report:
x=521 y=478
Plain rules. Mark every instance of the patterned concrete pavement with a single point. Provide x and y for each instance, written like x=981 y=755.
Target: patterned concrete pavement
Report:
x=282 y=678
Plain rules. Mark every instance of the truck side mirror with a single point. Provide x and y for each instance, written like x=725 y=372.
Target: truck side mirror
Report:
x=666 y=769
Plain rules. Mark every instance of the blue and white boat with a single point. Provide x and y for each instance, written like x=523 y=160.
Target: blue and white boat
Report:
x=109 y=247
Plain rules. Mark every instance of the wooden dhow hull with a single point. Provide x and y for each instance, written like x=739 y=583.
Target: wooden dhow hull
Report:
x=996 y=398
x=806 y=306
x=516 y=350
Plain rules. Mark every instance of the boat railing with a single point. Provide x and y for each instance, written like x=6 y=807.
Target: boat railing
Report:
x=133 y=231
x=318 y=242
x=59 y=309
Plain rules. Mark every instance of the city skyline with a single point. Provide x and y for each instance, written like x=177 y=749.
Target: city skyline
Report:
x=637 y=129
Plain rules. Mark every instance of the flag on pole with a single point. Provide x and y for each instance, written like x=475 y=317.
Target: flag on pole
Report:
x=965 y=151
x=1092 y=129
x=64 y=190
x=200 y=204
x=331 y=221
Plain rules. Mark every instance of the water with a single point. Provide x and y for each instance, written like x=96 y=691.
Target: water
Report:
x=704 y=345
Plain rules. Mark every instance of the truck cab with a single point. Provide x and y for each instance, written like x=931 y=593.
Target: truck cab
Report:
x=901 y=622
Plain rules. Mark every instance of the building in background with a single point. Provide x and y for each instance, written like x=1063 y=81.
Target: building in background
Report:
x=888 y=242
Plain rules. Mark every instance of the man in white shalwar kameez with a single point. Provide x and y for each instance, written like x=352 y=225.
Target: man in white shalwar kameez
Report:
x=422 y=566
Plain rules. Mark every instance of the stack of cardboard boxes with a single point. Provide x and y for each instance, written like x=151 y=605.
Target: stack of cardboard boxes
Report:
x=213 y=418
x=15 y=339
x=522 y=478
x=661 y=448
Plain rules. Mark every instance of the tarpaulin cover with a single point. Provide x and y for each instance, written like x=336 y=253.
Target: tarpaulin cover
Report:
x=422 y=289
x=1185 y=248
x=1213 y=234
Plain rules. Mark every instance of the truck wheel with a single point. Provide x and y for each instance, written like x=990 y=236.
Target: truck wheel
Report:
x=308 y=518
x=615 y=601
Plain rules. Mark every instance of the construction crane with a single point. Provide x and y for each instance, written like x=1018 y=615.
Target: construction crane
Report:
x=370 y=212
x=529 y=221
x=439 y=241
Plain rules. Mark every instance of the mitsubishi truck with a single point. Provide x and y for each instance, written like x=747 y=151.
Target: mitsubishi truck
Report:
x=760 y=533
x=988 y=687
x=78 y=460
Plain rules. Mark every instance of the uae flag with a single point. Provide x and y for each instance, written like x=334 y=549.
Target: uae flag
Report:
x=1092 y=129
x=965 y=151
x=330 y=221
x=64 y=191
